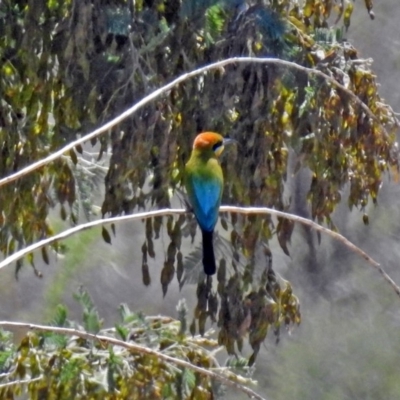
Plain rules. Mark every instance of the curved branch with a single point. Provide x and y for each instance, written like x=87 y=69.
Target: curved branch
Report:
x=21 y=382
x=135 y=348
x=162 y=90
x=69 y=232
x=232 y=209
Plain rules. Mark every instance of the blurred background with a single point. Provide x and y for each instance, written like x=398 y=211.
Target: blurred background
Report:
x=348 y=344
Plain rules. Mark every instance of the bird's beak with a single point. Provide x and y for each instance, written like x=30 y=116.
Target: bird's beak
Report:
x=229 y=141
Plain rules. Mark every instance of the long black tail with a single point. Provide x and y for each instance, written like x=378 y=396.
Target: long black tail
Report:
x=208 y=253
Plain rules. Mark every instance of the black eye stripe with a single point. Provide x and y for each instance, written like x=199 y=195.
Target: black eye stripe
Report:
x=216 y=145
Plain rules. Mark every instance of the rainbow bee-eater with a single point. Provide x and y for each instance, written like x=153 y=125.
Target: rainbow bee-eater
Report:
x=204 y=182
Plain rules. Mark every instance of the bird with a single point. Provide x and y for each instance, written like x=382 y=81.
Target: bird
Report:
x=204 y=183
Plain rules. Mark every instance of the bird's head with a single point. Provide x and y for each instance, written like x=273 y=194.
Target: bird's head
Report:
x=207 y=141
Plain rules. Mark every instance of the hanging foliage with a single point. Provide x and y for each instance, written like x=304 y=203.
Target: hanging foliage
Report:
x=69 y=66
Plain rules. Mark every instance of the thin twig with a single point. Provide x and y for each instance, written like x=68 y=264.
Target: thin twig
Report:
x=136 y=348
x=20 y=382
x=232 y=209
x=158 y=92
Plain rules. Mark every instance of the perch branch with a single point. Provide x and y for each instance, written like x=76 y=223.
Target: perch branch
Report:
x=135 y=348
x=232 y=209
x=158 y=92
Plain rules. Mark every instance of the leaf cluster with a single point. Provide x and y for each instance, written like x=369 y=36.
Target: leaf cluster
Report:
x=53 y=365
x=249 y=300
x=69 y=66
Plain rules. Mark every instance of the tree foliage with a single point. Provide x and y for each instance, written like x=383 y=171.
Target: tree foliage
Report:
x=56 y=366
x=69 y=66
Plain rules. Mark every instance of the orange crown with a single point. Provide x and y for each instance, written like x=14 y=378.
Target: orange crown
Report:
x=206 y=140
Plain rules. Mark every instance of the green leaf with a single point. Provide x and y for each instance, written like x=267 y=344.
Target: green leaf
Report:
x=92 y=321
x=60 y=316
x=5 y=359
x=122 y=331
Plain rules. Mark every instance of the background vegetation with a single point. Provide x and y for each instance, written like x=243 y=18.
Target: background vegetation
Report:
x=285 y=121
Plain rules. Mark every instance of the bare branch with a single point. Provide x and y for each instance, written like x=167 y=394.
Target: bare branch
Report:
x=158 y=92
x=69 y=232
x=319 y=228
x=20 y=382
x=232 y=209
x=135 y=348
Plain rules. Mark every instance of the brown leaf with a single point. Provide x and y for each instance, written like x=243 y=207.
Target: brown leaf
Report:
x=157 y=223
x=45 y=256
x=285 y=229
x=150 y=248
x=73 y=156
x=192 y=328
x=144 y=252
x=63 y=213
x=167 y=274
x=171 y=252
x=179 y=266
x=202 y=323
x=146 y=275
x=106 y=235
